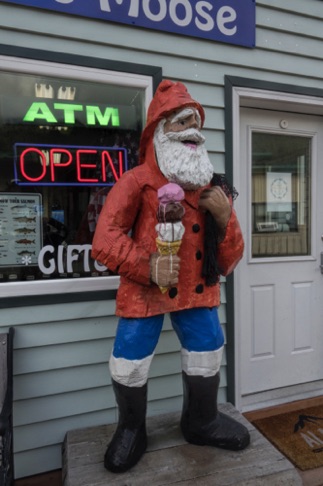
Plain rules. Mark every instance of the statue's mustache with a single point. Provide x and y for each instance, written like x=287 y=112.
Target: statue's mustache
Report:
x=191 y=134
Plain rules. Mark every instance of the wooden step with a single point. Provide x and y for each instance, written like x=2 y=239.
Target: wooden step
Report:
x=171 y=460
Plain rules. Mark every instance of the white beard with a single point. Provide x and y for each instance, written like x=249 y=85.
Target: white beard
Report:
x=186 y=166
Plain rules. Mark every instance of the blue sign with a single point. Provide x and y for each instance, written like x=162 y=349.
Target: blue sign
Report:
x=228 y=21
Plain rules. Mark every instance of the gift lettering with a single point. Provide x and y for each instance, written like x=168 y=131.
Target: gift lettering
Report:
x=62 y=261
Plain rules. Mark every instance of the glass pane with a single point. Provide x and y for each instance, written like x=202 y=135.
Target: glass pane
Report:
x=64 y=143
x=281 y=182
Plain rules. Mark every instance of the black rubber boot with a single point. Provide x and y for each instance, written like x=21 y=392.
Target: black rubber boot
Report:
x=130 y=439
x=201 y=423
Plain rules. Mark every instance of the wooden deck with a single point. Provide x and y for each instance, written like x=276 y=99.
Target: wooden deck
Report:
x=170 y=460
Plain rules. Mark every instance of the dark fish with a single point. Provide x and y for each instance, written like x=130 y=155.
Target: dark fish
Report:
x=25 y=230
x=24 y=219
x=25 y=242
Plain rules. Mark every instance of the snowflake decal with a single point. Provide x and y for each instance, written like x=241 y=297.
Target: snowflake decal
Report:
x=26 y=260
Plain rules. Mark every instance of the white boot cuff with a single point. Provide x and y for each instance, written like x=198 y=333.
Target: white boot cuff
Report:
x=206 y=363
x=130 y=372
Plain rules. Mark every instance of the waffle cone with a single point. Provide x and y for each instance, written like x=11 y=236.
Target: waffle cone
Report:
x=163 y=289
x=168 y=247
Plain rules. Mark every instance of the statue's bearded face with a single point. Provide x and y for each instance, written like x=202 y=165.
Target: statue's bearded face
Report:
x=180 y=150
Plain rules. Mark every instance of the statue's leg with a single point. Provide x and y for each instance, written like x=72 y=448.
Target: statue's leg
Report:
x=202 y=423
x=130 y=361
x=130 y=440
x=201 y=336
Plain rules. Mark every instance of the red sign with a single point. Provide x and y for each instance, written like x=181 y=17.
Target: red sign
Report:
x=51 y=165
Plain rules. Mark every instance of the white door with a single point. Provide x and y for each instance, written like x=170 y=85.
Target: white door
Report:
x=279 y=284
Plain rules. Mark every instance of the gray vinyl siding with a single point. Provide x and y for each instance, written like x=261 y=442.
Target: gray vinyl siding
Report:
x=61 y=353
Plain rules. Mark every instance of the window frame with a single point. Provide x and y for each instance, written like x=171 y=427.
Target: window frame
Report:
x=28 y=61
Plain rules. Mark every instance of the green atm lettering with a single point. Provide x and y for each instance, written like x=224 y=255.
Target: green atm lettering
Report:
x=69 y=111
x=94 y=113
x=39 y=111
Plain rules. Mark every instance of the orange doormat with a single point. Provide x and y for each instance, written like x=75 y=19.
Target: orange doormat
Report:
x=298 y=435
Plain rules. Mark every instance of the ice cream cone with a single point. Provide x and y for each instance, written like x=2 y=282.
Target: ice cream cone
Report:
x=167 y=248
x=170 y=228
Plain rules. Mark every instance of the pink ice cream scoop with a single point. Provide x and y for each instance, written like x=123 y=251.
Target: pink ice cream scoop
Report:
x=170 y=192
x=170 y=209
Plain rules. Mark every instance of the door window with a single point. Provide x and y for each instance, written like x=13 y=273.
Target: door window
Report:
x=281 y=182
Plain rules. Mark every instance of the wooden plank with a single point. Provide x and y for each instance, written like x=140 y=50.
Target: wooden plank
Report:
x=57 y=313
x=64 y=405
x=170 y=460
x=94 y=375
x=43 y=358
x=38 y=461
x=167 y=405
x=64 y=355
x=67 y=331
x=45 y=408
x=53 y=478
x=53 y=382
x=283 y=408
x=34 y=436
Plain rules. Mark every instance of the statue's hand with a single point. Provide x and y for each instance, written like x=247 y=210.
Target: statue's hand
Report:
x=164 y=269
x=216 y=201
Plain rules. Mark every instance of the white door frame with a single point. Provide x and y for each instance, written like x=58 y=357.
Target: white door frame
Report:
x=262 y=99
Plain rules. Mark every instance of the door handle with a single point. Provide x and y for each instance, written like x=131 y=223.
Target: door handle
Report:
x=321 y=266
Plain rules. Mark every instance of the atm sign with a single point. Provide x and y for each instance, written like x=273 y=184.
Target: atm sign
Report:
x=40 y=112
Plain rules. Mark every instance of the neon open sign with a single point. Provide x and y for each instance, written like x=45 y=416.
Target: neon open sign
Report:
x=68 y=165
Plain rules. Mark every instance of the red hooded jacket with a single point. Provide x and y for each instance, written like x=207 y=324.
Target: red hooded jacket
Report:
x=132 y=206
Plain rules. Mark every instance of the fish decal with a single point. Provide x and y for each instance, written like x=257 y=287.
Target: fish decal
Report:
x=25 y=219
x=25 y=230
x=26 y=252
x=25 y=242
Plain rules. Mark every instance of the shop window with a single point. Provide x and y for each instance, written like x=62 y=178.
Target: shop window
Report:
x=67 y=135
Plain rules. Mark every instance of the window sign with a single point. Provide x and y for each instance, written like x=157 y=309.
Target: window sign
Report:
x=279 y=191
x=36 y=111
x=20 y=229
x=65 y=143
x=68 y=165
x=229 y=21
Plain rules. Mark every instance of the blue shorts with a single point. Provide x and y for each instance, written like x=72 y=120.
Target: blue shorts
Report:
x=197 y=329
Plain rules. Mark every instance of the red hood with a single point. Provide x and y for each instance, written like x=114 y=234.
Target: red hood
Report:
x=169 y=97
